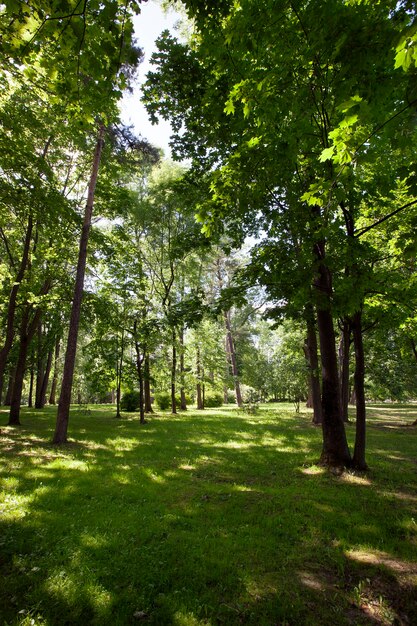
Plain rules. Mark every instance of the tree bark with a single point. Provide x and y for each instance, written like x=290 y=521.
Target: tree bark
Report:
x=147 y=384
x=139 y=368
x=182 y=371
x=359 y=461
x=27 y=331
x=52 y=395
x=11 y=308
x=313 y=364
x=173 y=373
x=344 y=354
x=335 y=448
x=200 y=403
x=61 y=428
x=32 y=376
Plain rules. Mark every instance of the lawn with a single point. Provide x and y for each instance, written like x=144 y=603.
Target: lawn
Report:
x=205 y=518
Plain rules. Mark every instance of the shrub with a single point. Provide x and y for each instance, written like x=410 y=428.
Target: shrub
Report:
x=163 y=400
x=130 y=401
x=178 y=399
x=213 y=400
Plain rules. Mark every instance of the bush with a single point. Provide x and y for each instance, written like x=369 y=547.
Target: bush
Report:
x=163 y=400
x=178 y=399
x=213 y=399
x=130 y=401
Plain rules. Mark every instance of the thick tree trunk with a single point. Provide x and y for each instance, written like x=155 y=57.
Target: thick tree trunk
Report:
x=11 y=308
x=313 y=364
x=147 y=384
x=335 y=448
x=233 y=360
x=52 y=395
x=359 y=461
x=173 y=373
x=61 y=428
x=344 y=354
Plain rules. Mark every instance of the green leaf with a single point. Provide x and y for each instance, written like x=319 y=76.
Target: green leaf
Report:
x=229 y=109
x=327 y=154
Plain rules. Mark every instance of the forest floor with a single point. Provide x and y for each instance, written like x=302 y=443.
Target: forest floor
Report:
x=205 y=519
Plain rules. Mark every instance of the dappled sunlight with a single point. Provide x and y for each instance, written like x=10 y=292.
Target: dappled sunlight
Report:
x=398 y=495
x=313 y=470
x=312 y=581
x=186 y=467
x=156 y=478
x=405 y=570
x=354 y=479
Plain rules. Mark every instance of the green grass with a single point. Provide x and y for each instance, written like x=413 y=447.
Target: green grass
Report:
x=204 y=519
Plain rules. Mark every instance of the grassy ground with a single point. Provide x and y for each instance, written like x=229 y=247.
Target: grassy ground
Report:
x=204 y=519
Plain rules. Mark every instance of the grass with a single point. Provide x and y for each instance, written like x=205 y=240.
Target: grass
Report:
x=205 y=519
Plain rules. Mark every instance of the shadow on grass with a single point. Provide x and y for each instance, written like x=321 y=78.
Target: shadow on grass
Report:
x=198 y=520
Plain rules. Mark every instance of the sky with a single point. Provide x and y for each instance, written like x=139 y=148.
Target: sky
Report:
x=148 y=26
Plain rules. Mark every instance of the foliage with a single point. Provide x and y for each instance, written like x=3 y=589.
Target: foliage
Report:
x=130 y=401
x=213 y=399
x=163 y=400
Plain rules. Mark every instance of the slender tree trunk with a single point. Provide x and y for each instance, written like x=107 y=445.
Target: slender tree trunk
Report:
x=147 y=384
x=52 y=395
x=39 y=367
x=344 y=354
x=233 y=360
x=200 y=403
x=32 y=376
x=359 y=461
x=182 y=371
x=335 y=448
x=11 y=308
x=27 y=331
x=119 y=370
x=139 y=368
x=173 y=373
x=313 y=363
x=45 y=379
x=61 y=428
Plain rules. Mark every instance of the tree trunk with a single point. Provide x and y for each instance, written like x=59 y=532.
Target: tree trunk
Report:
x=52 y=395
x=335 y=448
x=27 y=331
x=39 y=366
x=182 y=371
x=119 y=370
x=344 y=354
x=147 y=384
x=32 y=376
x=61 y=428
x=200 y=403
x=233 y=361
x=173 y=373
x=11 y=308
x=139 y=368
x=360 y=437
x=313 y=364
x=45 y=380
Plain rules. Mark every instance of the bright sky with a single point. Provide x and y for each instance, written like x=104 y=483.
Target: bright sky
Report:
x=148 y=26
